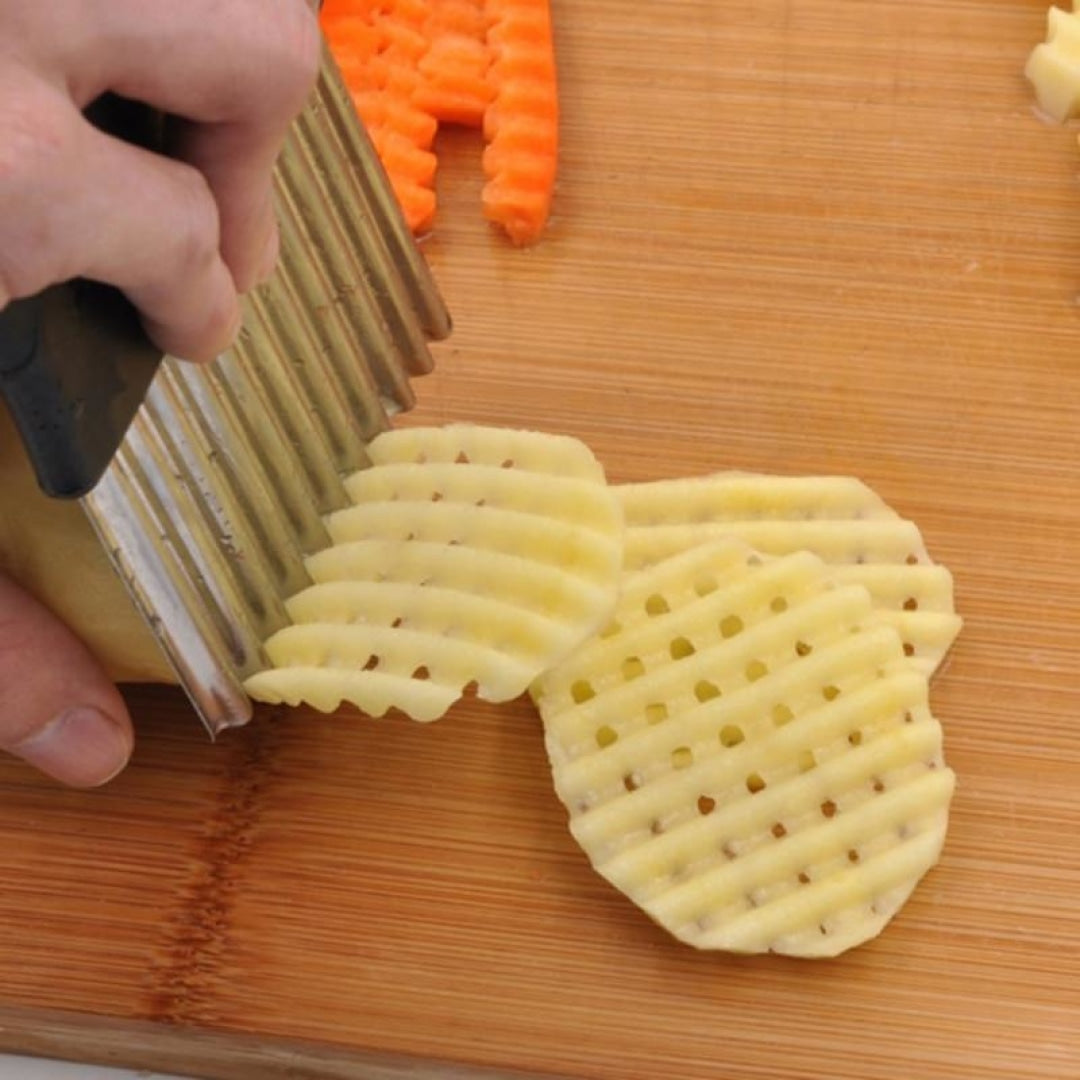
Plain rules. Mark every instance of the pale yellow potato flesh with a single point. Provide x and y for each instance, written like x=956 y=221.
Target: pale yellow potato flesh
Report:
x=1053 y=68
x=48 y=546
x=748 y=755
x=471 y=556
x=837 y=518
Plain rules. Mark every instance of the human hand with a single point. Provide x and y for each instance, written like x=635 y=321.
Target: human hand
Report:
x=182 y=236
x=58 y=711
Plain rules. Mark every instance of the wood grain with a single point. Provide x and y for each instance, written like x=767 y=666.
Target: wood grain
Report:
x=801 y=236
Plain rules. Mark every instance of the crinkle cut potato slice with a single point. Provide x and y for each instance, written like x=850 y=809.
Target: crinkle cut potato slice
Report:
x=471 y=555
x=748 y=755
x=836 y=517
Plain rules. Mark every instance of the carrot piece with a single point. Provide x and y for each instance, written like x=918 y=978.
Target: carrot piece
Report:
x=412 y=12
x=332 y=10
x=522 y=122
x=364 y=73
x=378 y=44
x=358 y=36
x=466 y=18
x=415 y=126
x=371 y=106
x=520 y=134
x=407 y=162
x=412 y=174
x=455 y=87
x=413 y=64
x=402 y=39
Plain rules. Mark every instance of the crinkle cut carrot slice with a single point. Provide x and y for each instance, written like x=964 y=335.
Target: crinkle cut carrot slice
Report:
x=522 y=123
x=413 y=64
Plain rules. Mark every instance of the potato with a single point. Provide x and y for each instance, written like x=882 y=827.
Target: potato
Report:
x=49 y=547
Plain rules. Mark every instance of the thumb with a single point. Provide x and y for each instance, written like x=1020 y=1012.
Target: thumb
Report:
x=58 y=711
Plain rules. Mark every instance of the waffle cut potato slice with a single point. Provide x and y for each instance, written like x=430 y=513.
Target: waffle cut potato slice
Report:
x=748 y=756
x=470 y=555
x=838 y=518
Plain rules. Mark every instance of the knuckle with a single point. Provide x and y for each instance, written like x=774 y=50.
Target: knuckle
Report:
x=34 y=139
x=294 y=45
x=17 y=655
x=196 y=228
x=34 y=135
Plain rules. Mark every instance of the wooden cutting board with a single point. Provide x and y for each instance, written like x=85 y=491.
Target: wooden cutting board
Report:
x=791 y=235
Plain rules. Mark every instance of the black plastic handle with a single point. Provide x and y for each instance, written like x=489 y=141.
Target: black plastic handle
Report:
x=75 y=362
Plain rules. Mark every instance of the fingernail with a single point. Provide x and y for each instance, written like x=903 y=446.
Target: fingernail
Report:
x=82 y=747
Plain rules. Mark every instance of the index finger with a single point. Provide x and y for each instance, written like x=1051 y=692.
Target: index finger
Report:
x=236 y=73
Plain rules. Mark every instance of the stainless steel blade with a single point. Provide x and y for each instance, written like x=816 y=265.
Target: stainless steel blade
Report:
x=220 y=487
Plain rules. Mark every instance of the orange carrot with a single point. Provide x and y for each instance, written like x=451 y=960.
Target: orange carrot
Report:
x=332 y=10
x=522 y=123
x=402 y=39
x=413 y=64
x=377 y=51
x=412 y=175
x=455 y=88
x=403 y=141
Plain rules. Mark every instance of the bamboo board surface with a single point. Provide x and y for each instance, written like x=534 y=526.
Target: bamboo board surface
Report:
x=802 y=236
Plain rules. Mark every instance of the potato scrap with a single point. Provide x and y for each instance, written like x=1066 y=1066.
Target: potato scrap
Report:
x=1053 y=68
x=748 y=755
x=470 y=555
x=839 y=519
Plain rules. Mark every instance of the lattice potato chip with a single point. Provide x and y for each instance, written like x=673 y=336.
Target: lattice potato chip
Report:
x=748 y=755
x=470 y=556
x=838 y=518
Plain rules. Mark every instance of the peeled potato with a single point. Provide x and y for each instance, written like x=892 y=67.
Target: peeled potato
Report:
x=748 y=755
x=48 y=546
x=471 y=556
x=838 y=518
x=1053 y=67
